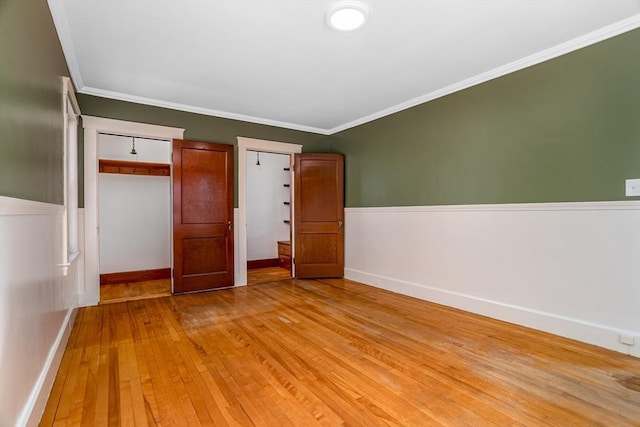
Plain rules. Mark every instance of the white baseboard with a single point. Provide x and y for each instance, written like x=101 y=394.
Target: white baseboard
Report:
x=34 y=408
x=570 y=269
x=591 y=333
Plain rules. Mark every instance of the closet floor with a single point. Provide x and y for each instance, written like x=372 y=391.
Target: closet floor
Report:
x=122 y=292
x=267 y=275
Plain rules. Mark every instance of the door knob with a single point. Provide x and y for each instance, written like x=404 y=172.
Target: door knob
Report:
x=229 y=225
x=340 y=224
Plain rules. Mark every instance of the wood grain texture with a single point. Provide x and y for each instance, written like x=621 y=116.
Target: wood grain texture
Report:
x=267 y=275
x=328 y=352
x=130 y=291
x=133 y=168
x=202 y=216
x=262 y=263
x=135 y=276
x=319 y=215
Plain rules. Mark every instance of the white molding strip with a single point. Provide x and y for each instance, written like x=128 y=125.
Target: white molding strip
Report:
x=64 y=34
x=245 y=144
x=93 y=126
x=13 y=206
x=588 y=332
x=62 y=27
x=597 y=36
x=198 y=110
x=555 y=206
x=569 y=269
x=101 y=124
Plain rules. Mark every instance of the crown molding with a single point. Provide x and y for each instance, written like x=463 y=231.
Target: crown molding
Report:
x=588 y=39
x=59 y=18
x=198 y=110
x=56 y=7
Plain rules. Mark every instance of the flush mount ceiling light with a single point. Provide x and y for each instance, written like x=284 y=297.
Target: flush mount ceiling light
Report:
x=347 y=15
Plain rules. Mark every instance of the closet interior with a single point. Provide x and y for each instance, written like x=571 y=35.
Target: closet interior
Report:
x=268 y=215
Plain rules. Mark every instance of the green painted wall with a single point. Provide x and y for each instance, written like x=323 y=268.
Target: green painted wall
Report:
x=31 y=123
x=197 y=127
x=564 y=130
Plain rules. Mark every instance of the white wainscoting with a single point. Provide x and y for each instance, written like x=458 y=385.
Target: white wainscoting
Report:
x=571 y=269
x=37 y=306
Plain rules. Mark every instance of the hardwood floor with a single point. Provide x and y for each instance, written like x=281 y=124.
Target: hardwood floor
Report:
x=328 y=352
x=267 y=275
x=122 y=292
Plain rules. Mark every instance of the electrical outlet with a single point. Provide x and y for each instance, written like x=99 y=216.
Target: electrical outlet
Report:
x=627 y=340
x=632 y=187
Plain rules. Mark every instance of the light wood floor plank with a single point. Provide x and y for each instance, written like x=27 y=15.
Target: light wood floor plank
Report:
x=328 y=352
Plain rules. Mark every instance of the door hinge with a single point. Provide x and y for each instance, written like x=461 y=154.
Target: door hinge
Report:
x=293 y=261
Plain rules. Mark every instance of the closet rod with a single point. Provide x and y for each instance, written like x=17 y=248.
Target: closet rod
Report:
x=133 y=136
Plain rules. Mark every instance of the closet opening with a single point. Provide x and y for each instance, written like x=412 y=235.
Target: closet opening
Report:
x=134 y=181
x=268 y=203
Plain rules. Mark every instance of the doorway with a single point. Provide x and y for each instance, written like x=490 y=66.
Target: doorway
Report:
x=268 y=217
x=134 y=217
x=245 y=146
x=93 y=127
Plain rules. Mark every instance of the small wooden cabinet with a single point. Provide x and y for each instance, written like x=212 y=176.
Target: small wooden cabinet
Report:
x=284 y=254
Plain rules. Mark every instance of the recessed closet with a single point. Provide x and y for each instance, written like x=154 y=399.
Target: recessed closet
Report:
x=134 y=212
x=268 y=209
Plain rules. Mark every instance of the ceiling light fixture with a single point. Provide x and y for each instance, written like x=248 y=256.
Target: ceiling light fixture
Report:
x=347 y=15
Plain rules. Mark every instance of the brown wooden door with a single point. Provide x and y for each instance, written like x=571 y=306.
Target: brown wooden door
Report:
x=319 y=215
x=202 y=216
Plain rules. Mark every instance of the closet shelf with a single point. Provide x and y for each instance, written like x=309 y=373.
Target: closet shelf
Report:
x=134 y=168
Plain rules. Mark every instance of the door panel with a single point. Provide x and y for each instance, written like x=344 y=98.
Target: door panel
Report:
x=202 y=216
x=205 y=172
x=319 y=215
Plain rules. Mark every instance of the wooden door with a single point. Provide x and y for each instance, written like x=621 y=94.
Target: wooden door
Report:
x=202 y=216
x=319 y=215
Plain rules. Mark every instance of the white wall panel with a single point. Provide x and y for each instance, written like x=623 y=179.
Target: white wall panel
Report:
x=36 y=306
x=572 y=269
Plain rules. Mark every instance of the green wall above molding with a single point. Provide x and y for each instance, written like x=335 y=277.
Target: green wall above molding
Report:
x=566 y=130
x=31 y=123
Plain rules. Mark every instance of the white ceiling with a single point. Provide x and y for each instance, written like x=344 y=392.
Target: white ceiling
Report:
x=276 y=61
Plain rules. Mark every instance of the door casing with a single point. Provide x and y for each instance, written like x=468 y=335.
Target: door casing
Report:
x=93 y=126
x=244 y=145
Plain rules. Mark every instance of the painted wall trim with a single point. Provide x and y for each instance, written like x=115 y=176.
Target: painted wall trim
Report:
x=507 y=207
x=13 y=206
x=569 y=269
x=245 y=144
x=33 y=410
x=64 y=34
x=593 y=37
x=62 y=27
x=198 y=110
x=92 y=128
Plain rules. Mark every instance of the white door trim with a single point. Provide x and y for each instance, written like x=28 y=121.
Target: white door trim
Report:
x=93 y=126
x=252 y=144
